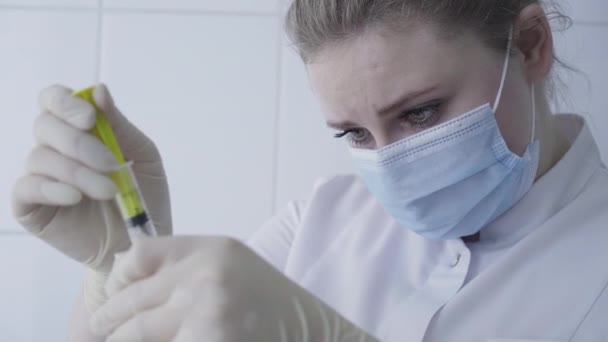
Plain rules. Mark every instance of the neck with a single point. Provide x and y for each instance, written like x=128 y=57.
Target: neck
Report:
x=553 y=142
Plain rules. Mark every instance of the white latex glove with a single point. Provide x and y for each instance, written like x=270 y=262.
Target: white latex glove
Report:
x=66 y=199
x=187 y=289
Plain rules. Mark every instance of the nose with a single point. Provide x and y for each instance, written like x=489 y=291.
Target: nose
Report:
x=384 y=138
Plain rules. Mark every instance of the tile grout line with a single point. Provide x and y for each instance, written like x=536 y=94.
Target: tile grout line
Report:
x=173 y=11
x=193 y=12
x=278 y=111
x=48 y=8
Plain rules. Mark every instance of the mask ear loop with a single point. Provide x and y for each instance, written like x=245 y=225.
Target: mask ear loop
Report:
x=503 y=78
x=505 y=68
x=533 y=94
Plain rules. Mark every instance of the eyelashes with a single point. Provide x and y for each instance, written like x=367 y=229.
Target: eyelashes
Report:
x=342 y=134
x=419 y=118
x=347 y=132
x=354 y=136
x=423 y=117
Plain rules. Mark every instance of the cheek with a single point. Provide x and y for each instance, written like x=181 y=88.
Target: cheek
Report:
x=514 y=117
x=474 y=89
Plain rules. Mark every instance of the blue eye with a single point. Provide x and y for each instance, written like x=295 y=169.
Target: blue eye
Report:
x=422 y=117
x=354 y=136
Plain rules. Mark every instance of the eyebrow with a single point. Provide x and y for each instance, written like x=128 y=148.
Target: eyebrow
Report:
x=403 y=100
x=344 y=125
x=392 y=107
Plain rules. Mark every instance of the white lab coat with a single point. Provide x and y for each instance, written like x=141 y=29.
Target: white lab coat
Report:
x=539 y=273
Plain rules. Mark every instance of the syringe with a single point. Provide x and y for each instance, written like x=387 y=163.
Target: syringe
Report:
x=129 y=199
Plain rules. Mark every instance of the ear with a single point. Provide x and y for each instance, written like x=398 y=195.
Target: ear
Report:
x=535 y=42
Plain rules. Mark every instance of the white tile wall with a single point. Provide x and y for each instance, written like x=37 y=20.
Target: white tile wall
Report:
x=38 y=48
x=227 y=102
x=595 y=11
x=50 y=3
x=204 y=88
x=306 y=149
x=585 y=91
x=256 y=6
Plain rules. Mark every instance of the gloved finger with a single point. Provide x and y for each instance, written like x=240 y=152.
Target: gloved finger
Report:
x=133 y=142
x=45 y=161
x=145 y=294
x=159 y=324
x=196 y=328
x=60 y=102
x=148 y=255
x=211 y=316
x=38 y=190
x=145 y=257
x=79 y=145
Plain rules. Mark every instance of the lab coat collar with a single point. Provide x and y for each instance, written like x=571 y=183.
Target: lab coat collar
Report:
x=554 y=190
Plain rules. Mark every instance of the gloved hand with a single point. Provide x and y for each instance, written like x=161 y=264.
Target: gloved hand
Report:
x=188 y=289
x=65 y=197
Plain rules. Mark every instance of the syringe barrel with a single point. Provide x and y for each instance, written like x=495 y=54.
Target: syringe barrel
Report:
x=131 y=202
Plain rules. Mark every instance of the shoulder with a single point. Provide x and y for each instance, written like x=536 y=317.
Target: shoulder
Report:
x=341 y=203
x=341 y=216
x=341 y=198
x=339 y=189
x=337 y=181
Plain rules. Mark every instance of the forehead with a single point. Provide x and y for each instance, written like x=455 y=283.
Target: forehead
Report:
x=380 y=63
x=380 y=48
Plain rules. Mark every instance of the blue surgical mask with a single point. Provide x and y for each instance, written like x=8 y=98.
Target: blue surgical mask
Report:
x=451 y=180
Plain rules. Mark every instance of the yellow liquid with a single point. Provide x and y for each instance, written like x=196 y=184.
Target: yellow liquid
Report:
x=129 y=199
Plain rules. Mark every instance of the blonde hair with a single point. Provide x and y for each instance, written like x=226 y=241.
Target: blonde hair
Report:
x=313 y=24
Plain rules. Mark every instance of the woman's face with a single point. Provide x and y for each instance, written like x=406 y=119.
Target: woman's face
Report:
x=383 y=86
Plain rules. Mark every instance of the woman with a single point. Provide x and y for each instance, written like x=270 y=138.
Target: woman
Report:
x=476 y=216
